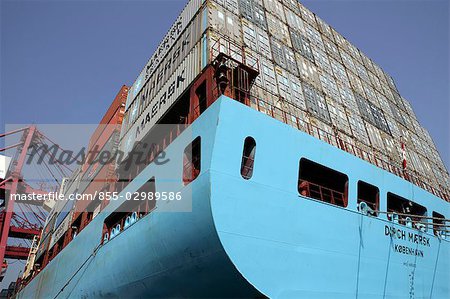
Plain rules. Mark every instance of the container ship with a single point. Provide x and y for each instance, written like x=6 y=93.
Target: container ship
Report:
x=283 y=163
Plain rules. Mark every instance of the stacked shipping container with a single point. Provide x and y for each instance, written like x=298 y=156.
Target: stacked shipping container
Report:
x=310 y=77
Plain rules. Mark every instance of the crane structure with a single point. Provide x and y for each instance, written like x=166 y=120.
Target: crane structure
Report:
x=22 y=222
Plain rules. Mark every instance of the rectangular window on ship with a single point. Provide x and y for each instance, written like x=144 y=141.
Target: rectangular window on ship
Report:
x=322 y=183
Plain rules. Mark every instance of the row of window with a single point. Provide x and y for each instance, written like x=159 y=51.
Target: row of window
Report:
x=328 y=185
x=315 y=181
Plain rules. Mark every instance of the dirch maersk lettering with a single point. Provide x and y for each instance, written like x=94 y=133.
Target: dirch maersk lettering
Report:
x=278 y=161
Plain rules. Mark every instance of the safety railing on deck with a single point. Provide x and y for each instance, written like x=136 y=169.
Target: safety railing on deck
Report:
x=321 y=193
x=335 y=140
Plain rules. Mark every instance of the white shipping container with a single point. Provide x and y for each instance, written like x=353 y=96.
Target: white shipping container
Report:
x=321 y=59
x=339 y=73
x=357 y=127
x=225 y=22
x=348 y=61
x=230 y=5
x=276 y=8
x=188 y=13
x=324 y=28
x=347 y=97
x=314 y=36
x=294 y=21
x=329 y=86
x=370 y=93
x=338 y=116
x=356 y=83
x=169 y=93
x=332 y=49
x=340 y=40
x=367 y=62
x=375 y=137
x=256 y=38
x=308 y=71
x=278 y=29
x=307 y=15
x=283 y=56
x=362 y=72
x=375 y=82
x=392 y=146
x=409 y=108
x=266 y=77
x=290 y=88
x=292 y=5
x=354 y=52
x=393 y=127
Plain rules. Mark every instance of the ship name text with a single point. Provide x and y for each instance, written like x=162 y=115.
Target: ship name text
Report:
x=400 y=234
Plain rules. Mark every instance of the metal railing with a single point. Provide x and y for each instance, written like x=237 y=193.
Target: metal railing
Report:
x=335 y=140
x=321 y=193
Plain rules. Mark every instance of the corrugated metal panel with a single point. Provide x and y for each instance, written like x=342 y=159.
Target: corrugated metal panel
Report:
x=355 y=83
x=397 y=114
x=371 y=113
x=367 y=62
x=370 y=93
x=276 y=8
x=347 y=97
x=266 y=77
x=294 y=21
x=338 y=116
x=329 y=86
x=354 y=52
x=278 y=29
x=308 y=16
x=314 y=36
x=348 y=61
x=189 y=11
x=340 y=40
x=308 y=71
x=392 y=146
x=324 y=28
x=290 y=88
x=256 y=38
x=302 y=45
x=225 y=22
x=339 y=72
x=332 y=49
x=171 y=90
x=230 y=5
x=362 y=72
x=409 y=108
x=292 y=5
x=165 y=68
x=254 y=12
x=357 y=127
x=278 y=52
x=322 y=61
x=395 y=131
x=375 y=82
x=375 y=137
x=315 y=103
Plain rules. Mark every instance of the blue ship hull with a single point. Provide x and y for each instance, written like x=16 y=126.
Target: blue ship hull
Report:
x=257 y=237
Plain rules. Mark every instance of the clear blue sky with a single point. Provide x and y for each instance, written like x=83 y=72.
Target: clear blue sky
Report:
x=64 y=61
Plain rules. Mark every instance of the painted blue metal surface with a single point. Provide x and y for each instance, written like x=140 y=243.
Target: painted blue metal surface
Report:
x=246 y=237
